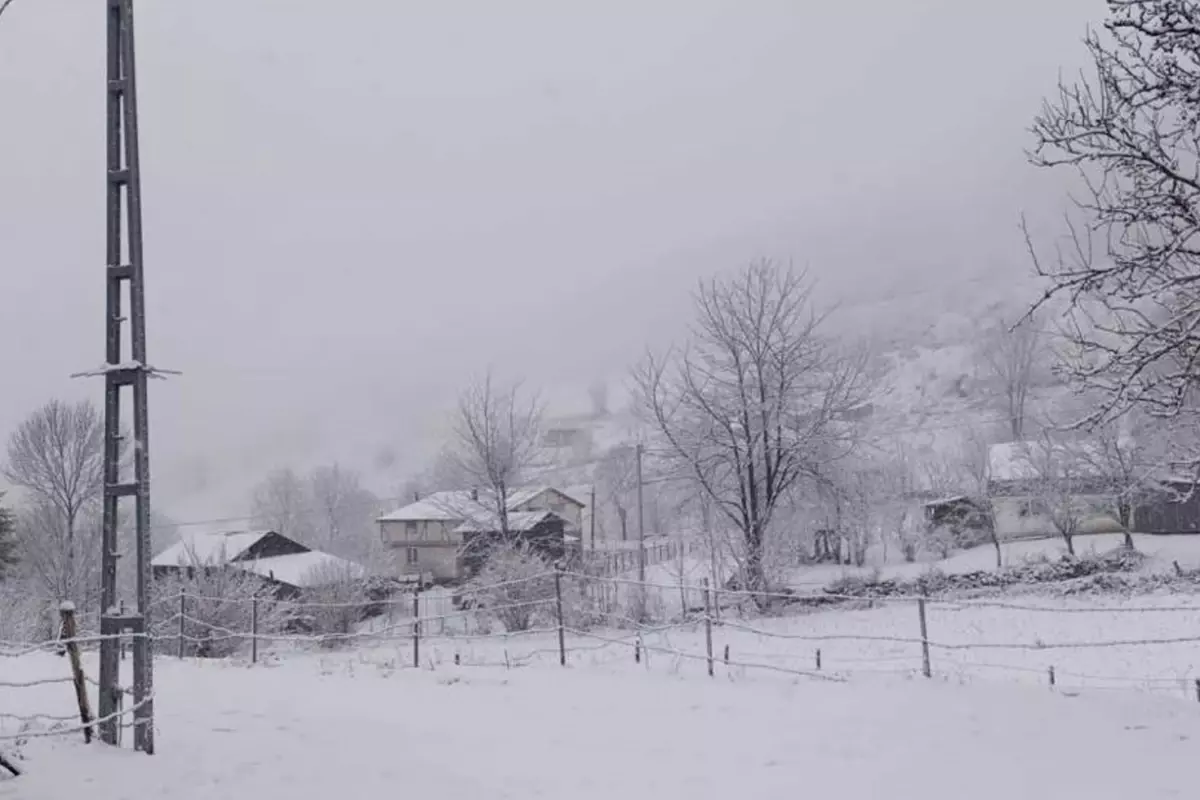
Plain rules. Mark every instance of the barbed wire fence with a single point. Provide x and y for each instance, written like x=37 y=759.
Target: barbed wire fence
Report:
x=575 y=618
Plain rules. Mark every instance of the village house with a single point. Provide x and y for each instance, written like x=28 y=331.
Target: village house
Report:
x=286 y=566
x=433 y=530
x=1021 y=497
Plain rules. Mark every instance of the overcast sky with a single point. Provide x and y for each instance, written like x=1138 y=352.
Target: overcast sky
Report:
x=353 y=206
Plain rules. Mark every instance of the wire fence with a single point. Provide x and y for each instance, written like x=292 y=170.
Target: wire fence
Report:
x=575 y=619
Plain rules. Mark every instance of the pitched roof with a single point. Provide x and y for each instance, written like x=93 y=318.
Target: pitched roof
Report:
x=518 y=521
x=208 y=549
x=458 y=504
x=519 y=497
x=304 y=570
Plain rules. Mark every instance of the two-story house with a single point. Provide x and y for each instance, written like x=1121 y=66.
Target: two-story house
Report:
x=432 y=530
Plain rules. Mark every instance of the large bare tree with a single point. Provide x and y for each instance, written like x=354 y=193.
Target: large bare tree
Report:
x=496 y=441
x=755 y=401
x=56 y=458
x=344 y=510
x=1131 y=133
x=282 y=503
x=1011 y=355
x=616 y=479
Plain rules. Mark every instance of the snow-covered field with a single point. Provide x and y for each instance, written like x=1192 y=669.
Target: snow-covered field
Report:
x=364 y=722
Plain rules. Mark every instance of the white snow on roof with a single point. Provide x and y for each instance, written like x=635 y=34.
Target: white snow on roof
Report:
x=304 y=570
x=451 y=505
x=458 y=504
x=1017 y=461
x=207 y=549
x=518 y=521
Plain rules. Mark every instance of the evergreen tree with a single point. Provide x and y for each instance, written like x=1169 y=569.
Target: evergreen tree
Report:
x=8 y=539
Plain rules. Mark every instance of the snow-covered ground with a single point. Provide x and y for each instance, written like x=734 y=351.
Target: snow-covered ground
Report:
x=1161 y=552
x=353 y=726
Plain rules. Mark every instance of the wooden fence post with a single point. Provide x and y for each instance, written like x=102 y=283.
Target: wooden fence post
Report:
x=69 y=633
x=926 y=668
x=182 y=611
x=562 y=644
x=818 y=659
x=1051 y=676
x=416 y=628
x=708 y=626
x=254 y=630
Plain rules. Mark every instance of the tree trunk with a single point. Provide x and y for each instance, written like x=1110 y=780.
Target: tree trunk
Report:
x=999 y=552
x=1124 y=512
x=755 y=571
x=622 y=516
x=1069 y=538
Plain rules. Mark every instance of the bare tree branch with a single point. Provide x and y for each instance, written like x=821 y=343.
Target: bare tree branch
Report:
x=496 y=439
x=1131 y=134
x=56 y=456
x=756 y=401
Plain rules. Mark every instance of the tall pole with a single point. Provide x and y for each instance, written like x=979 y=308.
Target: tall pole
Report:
x=592 y=518
x=641 y=520
x=124 y=271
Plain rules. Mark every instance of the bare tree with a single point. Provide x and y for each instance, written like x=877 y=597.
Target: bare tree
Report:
x=281 y=502
x=343 y=509
x=1011 y=355
x=1063 y=480
x=496 y=439
x=336 y=601
x=1130 y=134
x=616 y=478
x=975 y=463
x=56 y=456
x=755 y=401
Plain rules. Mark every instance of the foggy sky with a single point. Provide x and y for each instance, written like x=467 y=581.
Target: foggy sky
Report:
x=352 y=206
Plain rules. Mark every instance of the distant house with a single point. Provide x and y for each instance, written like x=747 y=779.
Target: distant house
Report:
x=1173 y=509
x=434 y=529
x=1020 y=497
x=1166 y=504
x=283 y=564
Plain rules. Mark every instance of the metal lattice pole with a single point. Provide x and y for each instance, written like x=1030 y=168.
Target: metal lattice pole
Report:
x=124 y=269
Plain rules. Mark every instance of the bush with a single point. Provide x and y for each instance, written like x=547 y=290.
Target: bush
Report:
x=515 y=587
x=218 y=611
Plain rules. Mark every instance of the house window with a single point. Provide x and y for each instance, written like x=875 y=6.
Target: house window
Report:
x=411 y=555
x=410 y=530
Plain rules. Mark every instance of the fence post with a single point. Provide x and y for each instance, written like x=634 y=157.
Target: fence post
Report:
x=182 y=611
x=818 y=659
x=1051 y=676
x=708 y=626
x=1198 y=690
x=926 y=670
x=69 y=633
x=416 y=628
x=562 y=645
x=254 y=630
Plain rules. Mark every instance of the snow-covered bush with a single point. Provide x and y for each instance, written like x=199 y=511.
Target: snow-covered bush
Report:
x=336 y=602
x=515 y=587
x=218 y=610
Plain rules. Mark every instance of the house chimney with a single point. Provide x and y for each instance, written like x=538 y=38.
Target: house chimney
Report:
x=416 y=497
x=474 y=495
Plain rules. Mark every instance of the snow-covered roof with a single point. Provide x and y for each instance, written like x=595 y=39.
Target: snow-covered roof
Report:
x=442 y=506
x=519 y=497
x=304 y=570
x=1017 y=461
x=207 y=549
x=458 y=504
x=518 y=521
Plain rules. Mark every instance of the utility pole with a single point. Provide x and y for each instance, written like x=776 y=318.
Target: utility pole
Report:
x=592 y=520
x=641 y=519
x=123 y=271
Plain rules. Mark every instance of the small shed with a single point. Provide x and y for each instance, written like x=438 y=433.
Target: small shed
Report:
x=284 y=564
x=542 y=531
